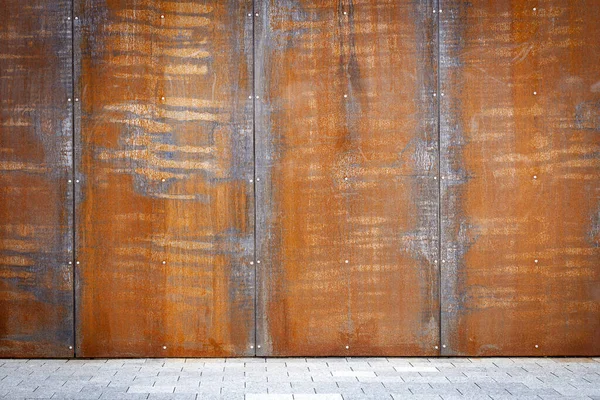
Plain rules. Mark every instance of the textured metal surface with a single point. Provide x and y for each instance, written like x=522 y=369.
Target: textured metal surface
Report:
x=36 y=298
x=519 y=148
x=165 y=209
x=346 y=178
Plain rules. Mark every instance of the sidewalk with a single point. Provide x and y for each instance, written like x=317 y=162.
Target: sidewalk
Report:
x=302 y=378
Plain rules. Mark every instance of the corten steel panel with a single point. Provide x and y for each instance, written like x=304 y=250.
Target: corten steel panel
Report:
x=346 y=197
x=521 y=199
x=36 y=285
x=165 y=209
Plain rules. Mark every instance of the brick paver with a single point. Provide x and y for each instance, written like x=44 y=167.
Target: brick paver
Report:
x=302 y=379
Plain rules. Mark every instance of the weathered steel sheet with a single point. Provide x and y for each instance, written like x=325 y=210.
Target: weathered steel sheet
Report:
x=346 y=159
x=165 y=205
x=521 y=199
x=36 y=285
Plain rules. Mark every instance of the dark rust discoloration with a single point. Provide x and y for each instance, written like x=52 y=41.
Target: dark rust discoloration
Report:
x=165 y=217
x=346 y=178
x=519 y=151
x=36 y=286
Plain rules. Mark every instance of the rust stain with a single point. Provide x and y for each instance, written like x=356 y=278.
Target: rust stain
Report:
x=165 y=233
x=520 y=154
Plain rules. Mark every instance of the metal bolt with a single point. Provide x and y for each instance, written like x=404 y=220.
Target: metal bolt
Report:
x=162 y=17
x=70 y=263
x=257 y=179
x=251 y=262
x=163 y=179
x=443 y=261
x=251 y=346
x=345 y=96
x=534 y=8
x=164 y=262
x=435 y=178
x=76 y=18
x=436 y=347
x=346 y=261
x=256 y=16
x=435 y=261
x=534 y=93
x=69 y=100
x=536 y=346
x=440 y=11
x=434 y=11
x=164 y=347
x=163 y=98
x=443 y=346
x=249 y=97
x=251 y=180
x=76 y=100
x=535 y=177
x=68 y=18
x=77 y=181
x=70 y=181
x=347 y=347
x=258 y=347
x=345 y=178
x=250 y=14
x=77 y=263
x=258 y=261
x=442 y=92
x=345 y=13
x=435 y=95
x=257 y=97
x=535 y=261
x=70 y=347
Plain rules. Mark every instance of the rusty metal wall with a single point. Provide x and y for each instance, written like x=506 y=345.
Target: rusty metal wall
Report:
x=165 y=205
x=396 y=213
x=520 y=121
x=346 y=158
x=36 y=285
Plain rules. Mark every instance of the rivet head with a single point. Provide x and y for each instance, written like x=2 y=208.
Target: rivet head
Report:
x=258 y=347
x=347 y=347
x=443 y=261
x=76 y=100
x=257 y=179
x=249 y=97
x=345 y=178
x=537 y=347
x=77 y=263
x=534 y=8
x=251 y=346
x=70 y=263
x=70 y=347
x=435 y=95
x=70 y=181
x=345 y=96
x=164 y=262
x=257 y=97
x=434 y=11
x=443 y=346
x=162 y=98
x=535 y=177
x=77 y=181
x=251 y=180
x=534 y=93
x=68 y=18
x=258 y=261
x=535 y=261
x=442 y=92
x=346 y=261
x=345 y=13
x=251 y=262
x=256 y=16
x=440 y=11
x=250 y=14
x=164 y=347
x=76 y=18
x=162 y=17
x=163 y=179
x=436 y=347
x=69 y=100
